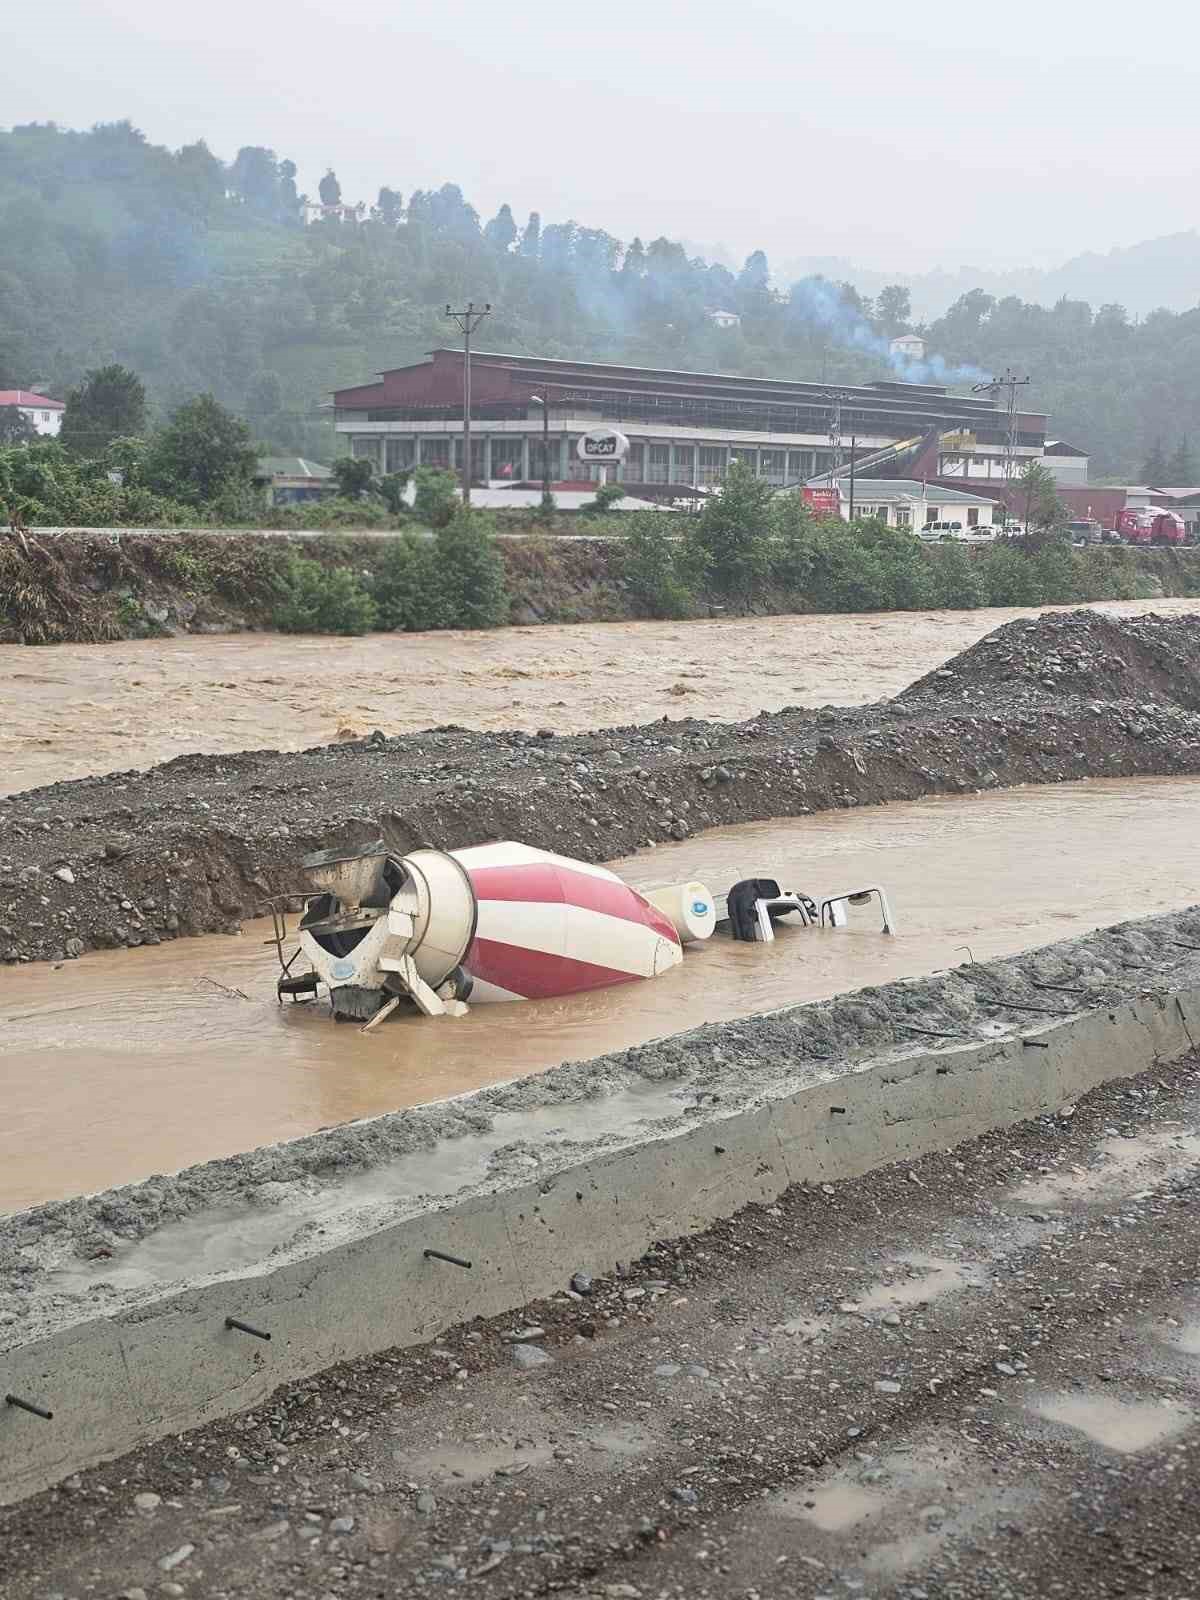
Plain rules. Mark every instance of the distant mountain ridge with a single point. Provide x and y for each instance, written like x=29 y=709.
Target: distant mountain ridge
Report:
x=1157 y=273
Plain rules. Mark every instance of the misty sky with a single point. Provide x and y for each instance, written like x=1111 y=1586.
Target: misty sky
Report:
x=989 y=132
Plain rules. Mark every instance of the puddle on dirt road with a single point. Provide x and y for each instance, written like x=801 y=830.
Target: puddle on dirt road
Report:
x=127 y=1063
x=937 y=1490
x=76 y=710
x=1139 y=1164
x=1125 y=1426
x=477 y=1460
x=925 y=1278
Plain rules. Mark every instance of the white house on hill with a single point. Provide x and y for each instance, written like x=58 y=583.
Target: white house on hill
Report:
x=45 y=415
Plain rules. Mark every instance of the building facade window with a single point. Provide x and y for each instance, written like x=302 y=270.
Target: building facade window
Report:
x=683 y=465
x=748 y=457
x=552 y=452
x=400 y=454
x=972 y=516
x=508 y=455
x=772 y=465
x=366 y=450
x=633 y=468
x=904 y=516
x=435 y=453
x=658 y=463
x=478 y=457
x=712 y=465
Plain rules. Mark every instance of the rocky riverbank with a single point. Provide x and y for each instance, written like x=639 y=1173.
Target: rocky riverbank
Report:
x=201 y=842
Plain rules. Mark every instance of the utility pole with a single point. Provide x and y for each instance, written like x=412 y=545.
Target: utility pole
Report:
x=853 y=450
x=467 y=320
x=837 y=398
x=1008 y=386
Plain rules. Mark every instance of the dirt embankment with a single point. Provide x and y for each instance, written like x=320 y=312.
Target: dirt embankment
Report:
x=88 y=587
x=84 y=587
x=198 y=843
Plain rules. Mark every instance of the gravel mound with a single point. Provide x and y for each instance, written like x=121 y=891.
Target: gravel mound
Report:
x=1151 y=659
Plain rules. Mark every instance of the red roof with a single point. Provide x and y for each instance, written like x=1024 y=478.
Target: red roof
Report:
x=26 y=397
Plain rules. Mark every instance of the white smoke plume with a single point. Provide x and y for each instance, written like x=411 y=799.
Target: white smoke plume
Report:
x=819 y=301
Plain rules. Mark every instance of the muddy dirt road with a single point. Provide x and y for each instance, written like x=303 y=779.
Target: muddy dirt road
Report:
x=126 y=1063
x=976 y=1376
x=75 y=710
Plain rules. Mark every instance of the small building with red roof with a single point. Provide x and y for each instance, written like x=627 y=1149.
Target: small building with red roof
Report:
x=45 y=415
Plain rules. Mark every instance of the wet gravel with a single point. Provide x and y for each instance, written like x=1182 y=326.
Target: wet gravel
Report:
x=974 y=1375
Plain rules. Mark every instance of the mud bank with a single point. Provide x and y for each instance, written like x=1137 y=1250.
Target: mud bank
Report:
x=199 y=843
x=86 y=587
x=113 y=1306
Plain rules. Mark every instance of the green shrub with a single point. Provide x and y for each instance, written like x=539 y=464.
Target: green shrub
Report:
x=846 y=574
x=314 y=599
x=470 y=572
x=436 y=498
x=407 y=591
x=607 y=494
x=1008 y=577
x=728 y=544
x=650 y=569
x=955 y=579
x=1057 y=574
x=899 y=560
x=792 y=550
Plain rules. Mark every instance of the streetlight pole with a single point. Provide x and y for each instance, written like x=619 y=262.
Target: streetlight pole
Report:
x=468 y=320
x=544 y=402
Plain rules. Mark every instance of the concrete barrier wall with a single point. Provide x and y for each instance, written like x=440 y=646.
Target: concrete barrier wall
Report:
x=121 y=1380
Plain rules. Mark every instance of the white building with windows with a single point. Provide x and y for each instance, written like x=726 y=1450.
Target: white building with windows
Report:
x=909 y=503
x=44 y=415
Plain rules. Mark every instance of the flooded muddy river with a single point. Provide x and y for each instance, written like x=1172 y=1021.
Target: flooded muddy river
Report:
x=128 y=1063
x=76 y=709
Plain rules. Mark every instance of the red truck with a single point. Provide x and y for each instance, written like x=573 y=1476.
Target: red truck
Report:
x=1150 y=525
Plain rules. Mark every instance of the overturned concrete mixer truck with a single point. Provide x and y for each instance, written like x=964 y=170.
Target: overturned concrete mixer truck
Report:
x=438 y=928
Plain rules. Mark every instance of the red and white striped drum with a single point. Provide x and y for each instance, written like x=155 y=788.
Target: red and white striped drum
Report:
x=547 y=926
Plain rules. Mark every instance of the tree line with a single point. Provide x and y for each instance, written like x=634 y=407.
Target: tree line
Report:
x=200 y=274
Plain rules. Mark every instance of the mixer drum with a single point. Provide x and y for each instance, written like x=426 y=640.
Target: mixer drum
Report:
x=547 y=925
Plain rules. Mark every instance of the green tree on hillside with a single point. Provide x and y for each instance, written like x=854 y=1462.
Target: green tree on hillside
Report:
x=501 y=231
x=1154 y=468
x=109 y=404
x=390 y=206
x=15 y=427
x=893 y=309
x=204 y=452
x=330 y=189
x=1181 y=469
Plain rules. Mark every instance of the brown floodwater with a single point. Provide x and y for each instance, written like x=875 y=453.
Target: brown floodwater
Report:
x=126 y=1063
x=72 y=710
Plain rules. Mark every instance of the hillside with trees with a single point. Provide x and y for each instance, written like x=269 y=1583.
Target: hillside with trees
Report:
x=206 y=277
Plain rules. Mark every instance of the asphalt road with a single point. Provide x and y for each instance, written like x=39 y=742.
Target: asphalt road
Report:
x=975 y=1376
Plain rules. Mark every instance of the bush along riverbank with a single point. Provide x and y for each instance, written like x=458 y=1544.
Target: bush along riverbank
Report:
x=747 y=553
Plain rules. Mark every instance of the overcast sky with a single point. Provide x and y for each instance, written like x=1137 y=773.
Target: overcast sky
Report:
x=987 y=132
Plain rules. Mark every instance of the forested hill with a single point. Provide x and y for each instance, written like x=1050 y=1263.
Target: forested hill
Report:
x=203 y=276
